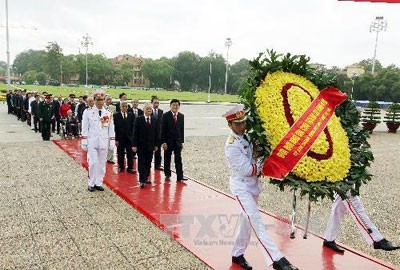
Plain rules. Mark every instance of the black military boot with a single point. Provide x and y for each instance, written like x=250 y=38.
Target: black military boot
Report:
x=332 y=245
x=284 y=264
x=240 y=260
x=385 y=245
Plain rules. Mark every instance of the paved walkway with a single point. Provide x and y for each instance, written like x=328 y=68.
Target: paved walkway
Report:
x=48 y=220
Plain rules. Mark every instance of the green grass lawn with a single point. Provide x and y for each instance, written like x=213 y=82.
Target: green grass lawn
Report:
x=131 y=93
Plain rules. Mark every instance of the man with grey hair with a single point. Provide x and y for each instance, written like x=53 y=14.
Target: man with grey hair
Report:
x=145 y=141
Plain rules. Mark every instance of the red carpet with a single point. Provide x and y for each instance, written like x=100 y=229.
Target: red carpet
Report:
x=203 y=220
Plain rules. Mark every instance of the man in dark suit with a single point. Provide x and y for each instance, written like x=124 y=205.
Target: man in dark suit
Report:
x=123 y=123
x=135 y=108
x=145 y=141
x=36 y=113
x=46 y=116
x=56 y=108
x=122 y=98
x=9 y=102
x=158 y=113
x=172 y=139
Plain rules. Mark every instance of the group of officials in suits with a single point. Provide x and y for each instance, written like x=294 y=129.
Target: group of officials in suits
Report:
x=145 y=132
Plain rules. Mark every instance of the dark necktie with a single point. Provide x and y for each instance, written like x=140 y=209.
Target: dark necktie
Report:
x=100 y=113
x=124 y=115
x=175 y=118
x=155 y=113
x=148 y=121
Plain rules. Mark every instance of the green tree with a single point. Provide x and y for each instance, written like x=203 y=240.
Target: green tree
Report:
x=100 y=69
x=186 y=65
x=30 y=76
x=30 y=60
x=239 y=73
x=159 y=72
x=217 y=73
x=3 y=67
x=367 y=64
x=70 y=67
x=53 y=61
x=41 y=77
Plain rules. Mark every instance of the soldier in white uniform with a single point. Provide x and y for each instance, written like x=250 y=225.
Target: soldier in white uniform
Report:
x=353 y=205
x=246 y=187
x=98 y=136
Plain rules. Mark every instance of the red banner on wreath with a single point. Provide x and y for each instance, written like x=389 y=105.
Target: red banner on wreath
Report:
x=302 y=134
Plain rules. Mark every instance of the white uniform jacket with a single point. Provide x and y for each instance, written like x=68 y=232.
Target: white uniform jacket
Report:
x=98 y=132
x=243 y=168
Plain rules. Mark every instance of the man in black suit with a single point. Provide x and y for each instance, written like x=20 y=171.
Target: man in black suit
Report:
x=36 y=113
x=135 y=108
x=158 y=113
x=123 y=124
x=172 y=139
x=56 y=108
x=9 y=102
x=145 y=141
x=122 y=98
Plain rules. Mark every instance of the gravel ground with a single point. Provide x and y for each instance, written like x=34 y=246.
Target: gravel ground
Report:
x=204 y=160
x=48 y=220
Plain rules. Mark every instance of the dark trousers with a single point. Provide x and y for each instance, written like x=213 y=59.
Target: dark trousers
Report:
x=177 y=159
x=46 y=126
x=72 y=130
x=28 y=118
x=144 y=164
x=36 y=124
x=10 y=108
x=125 y=146
x=56 y=123
x=157 y=157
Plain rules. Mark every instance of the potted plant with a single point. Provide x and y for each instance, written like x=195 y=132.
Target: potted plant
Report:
x=392 y=117
x=371 y=116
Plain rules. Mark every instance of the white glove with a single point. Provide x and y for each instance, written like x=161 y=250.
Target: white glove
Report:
x=111 y=146
x=84 y=144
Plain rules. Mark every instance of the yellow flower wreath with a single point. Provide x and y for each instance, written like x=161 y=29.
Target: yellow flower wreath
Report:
x=273 y=109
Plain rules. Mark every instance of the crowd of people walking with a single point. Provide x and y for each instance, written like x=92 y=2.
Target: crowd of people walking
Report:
x=103 y=126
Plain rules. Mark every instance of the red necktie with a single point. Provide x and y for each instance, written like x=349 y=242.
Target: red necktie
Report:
x=148 y=121
x=175 y=118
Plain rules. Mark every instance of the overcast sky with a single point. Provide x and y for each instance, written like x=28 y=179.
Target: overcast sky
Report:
x=329 y=31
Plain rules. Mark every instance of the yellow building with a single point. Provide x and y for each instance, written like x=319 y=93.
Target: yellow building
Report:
x=137 y=77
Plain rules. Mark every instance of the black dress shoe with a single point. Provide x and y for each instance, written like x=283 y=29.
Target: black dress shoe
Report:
x=240 y=260
x=167 y=178
x=99 y=188
x=120 y=170
x=91 y=189
x=283 y=264
x=142 y=185
x=131 y=171
x=148 y=182
x=158 y=168
x=332 y=245
x=183 y=179
x=110 y=161
x=385 y=245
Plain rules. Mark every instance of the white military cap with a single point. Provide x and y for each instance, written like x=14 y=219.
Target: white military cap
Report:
x=99 y=93
x=235 y=114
